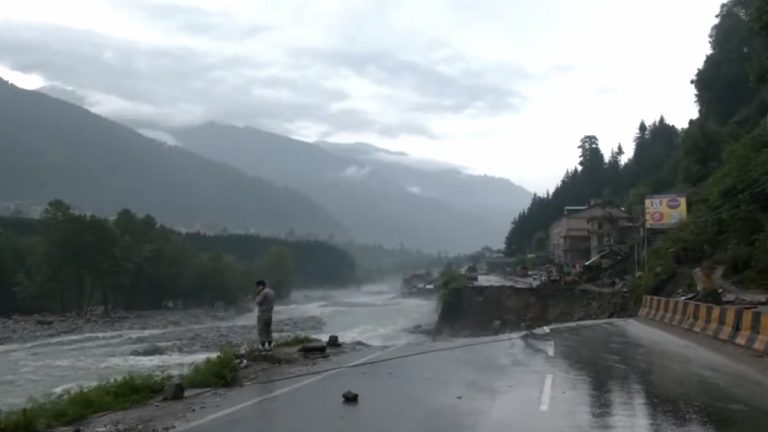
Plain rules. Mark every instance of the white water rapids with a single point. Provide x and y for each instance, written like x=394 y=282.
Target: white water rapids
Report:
x=375 y=314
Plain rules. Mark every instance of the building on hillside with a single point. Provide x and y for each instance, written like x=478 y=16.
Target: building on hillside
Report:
x=582 y=232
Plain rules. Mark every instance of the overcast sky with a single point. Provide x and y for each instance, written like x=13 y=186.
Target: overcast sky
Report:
x=503 y=87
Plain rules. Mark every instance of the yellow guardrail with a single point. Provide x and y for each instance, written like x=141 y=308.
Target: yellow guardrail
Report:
x=742 y=326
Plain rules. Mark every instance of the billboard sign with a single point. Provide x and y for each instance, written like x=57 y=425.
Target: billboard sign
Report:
x=665 y=211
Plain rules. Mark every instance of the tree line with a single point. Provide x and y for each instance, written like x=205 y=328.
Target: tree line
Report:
x=70 y=262
x=377 y=261
x=720 y=160
x=650 y=168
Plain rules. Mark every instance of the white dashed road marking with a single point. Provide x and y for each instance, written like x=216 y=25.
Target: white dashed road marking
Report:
x=546 y=393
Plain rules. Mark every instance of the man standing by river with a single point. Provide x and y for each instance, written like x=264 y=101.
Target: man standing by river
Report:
x=265 y=301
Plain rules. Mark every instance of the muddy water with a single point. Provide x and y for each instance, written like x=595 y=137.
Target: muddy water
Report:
x=374 y=314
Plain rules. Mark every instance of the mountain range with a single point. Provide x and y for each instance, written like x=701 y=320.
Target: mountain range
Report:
x=381 y=196
x=50 y=149
x=244 y=179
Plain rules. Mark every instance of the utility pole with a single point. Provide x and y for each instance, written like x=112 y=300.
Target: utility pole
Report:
x=645 y=236
x=637 y=264
x=637 y=211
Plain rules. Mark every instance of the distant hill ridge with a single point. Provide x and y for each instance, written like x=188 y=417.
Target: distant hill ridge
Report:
x=54 y=149
x=381 y=196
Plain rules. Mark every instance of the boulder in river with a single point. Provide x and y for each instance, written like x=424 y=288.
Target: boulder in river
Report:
x=149 y=350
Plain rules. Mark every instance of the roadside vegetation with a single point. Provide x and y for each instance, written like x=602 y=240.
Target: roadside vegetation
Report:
x=115 y=395
x=71 y=407
x=295 y=341
x=219 y=371
x=450 y=284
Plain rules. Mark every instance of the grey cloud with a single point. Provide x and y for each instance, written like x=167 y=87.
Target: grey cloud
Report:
x=354 y=171
x=195 y=21
x=413 y=161
x=126 y=80
x=161 y=136
x=359 y=121
x=561 y=69
x=63 y=93
x=461 y=90
x=178 y=85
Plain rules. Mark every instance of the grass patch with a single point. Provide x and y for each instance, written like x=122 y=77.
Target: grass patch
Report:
x=77 y=405
x=119 y=394
x=219 y=371
x=295 y=340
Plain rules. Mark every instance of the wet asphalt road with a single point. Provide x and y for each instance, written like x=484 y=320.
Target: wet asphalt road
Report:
x=611 y=376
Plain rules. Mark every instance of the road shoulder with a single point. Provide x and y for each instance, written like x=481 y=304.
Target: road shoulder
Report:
x=160 y=415
x=748 y=358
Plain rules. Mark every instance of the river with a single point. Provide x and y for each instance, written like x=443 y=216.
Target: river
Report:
x=375 y=314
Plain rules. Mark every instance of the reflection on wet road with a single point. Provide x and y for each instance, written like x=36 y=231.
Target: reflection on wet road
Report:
x=609 y=376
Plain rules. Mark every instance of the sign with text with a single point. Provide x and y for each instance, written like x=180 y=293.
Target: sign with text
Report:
x=665 y=211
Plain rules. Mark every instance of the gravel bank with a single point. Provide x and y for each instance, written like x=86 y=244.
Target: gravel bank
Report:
x=30 y=328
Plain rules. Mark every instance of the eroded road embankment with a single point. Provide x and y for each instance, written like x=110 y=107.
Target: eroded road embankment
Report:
x=489 y=309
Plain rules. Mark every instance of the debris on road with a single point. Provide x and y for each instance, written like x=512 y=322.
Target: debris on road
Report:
x=173 y=391
x=333 y=341
x=315 y=355
x=350 y=397
x=313 y=348
x=314 y=351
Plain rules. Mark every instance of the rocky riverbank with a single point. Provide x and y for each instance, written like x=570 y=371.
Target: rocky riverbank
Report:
x=56 y=353
x=30 y=328
x=59 y=353
x=211 y=338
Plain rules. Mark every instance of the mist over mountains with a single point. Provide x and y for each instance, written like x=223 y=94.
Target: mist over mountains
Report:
x=54 y=149
x=246 y=179
x=381 y=196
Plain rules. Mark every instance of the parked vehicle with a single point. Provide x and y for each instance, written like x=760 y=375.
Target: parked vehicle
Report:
x=471 y=273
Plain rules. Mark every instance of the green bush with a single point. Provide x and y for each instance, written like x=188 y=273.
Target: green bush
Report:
x=80 y=404
x=219 y=371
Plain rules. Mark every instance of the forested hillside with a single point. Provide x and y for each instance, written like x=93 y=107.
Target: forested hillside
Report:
x=720 y=159
x=651 y=167
x=53 y=149
x=69 y=262
x=317 y=263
